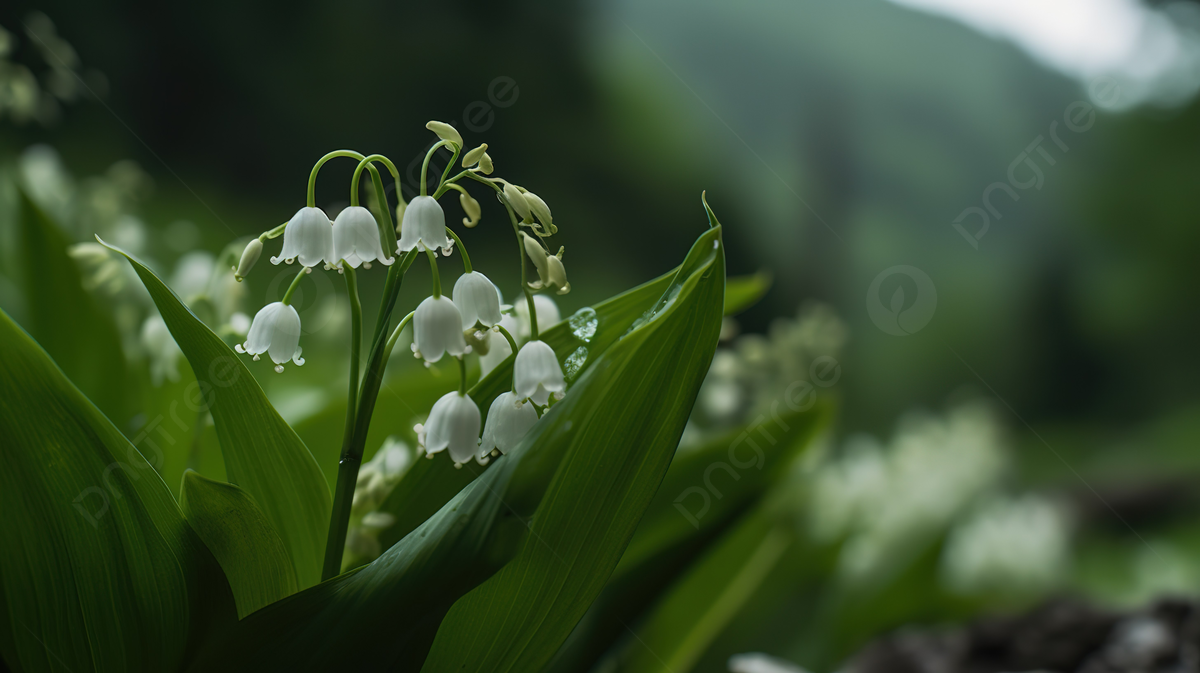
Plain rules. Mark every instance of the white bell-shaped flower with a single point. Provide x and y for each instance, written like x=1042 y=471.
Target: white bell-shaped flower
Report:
x=498 y=348
x=536 y=373
x=545 y=309
x=308 y=237
x=453 y=424
x=424 y=226
x=356 y=238
x=508 y=420
x=437 y=329
x=477 y=300
x=275 y=331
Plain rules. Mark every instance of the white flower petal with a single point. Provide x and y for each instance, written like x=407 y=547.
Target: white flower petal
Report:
x=477 y=300
x=453 y=424
x=308 y=237
x=275 y=330
x=356 y=237
x=536 y=372
x=437 y=329
x=508 y=421
x=545 y=308
x=424 y=223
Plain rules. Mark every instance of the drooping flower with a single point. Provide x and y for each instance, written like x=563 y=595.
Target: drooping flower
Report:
x=424 y=226
x=308 y=237
x=453 y=424
x=437 y=329
x=275 y=331
x=556 y=275
x=356 y=238
x=537 y=374
x=508 y=420
x=498 y=348
x=516 y=199
x=473 y=156
x=477 y=300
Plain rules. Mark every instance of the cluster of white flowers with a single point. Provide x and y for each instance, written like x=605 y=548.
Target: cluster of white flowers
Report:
x=108 y=204
x=376 y=479
x=1011 y=545
x=454 y=324
x=754 y=371
x=884 y=502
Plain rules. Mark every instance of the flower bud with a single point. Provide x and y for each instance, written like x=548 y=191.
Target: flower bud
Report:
x=471 y=158
x=249 y=256
x=539 y=208
x=537 y=254
x=445 y=132
x=471 y=207
x=556 y=275
x=516 y=199
x=485 y=164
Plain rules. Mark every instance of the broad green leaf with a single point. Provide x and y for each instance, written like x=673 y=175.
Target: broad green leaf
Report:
x=742 y=292
x=706 y=488
x=98 y=569
x=262 y=453
x=648 y=382
x=384 y=615
x=704 y=600
x=249 y=550
x=66 y=320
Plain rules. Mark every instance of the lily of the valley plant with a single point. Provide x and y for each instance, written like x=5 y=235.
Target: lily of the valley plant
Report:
x=443 y=324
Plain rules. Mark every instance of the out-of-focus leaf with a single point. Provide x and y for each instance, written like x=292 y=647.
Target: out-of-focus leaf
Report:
x=625 y=413
x=709 y=484
x=262 y=453
x=648 y=382
x=98 y=569
x=65 y=320
x=244 y=542
x=680 y=628
x=706 y=488
x=742 y=292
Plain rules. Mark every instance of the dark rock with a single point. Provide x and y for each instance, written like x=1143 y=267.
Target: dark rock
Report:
x=1063 y=635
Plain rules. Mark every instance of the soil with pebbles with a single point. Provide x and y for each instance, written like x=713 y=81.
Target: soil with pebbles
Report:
x=1064 y=635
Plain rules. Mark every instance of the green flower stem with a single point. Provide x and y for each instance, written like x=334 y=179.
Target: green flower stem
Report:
x=512 y=343
x=450 y=165
x=387 y=228
x=333 y=548
x=391 y=342
x=450 y=184
x=351 y=458
x=272 y=233
x=437 y=280
x=425 y=164
x=287 y=296
x=312 y=177
x=533 y=326
x=461 y=250
x=462 y=375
